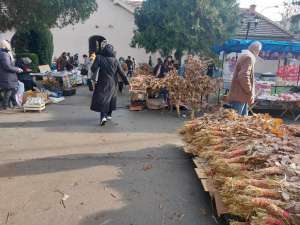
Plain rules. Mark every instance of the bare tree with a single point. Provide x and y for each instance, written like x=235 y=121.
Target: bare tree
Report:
x=290 y=8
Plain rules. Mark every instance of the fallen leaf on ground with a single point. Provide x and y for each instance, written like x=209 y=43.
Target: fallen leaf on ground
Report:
x=180 y=216
x=147 y=167
x=64 y=197
x=112 y=195
x=9 y=214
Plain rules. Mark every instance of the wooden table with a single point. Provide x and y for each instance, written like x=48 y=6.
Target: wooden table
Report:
x=288 y=107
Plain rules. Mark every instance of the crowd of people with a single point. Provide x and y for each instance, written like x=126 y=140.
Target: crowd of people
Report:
x=67 y=62
x=107 y=75
x=162 y=68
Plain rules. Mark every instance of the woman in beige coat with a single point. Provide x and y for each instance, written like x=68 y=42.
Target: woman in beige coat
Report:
x=242 y=91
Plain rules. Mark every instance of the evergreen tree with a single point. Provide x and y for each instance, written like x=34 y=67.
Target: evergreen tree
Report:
x=24 y=14
x=32 y=19
x=184 y=25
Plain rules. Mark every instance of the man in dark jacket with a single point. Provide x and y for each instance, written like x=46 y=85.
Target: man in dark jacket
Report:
x=130 y=66
x=8 y=75
x=105 y=94
x=158 y=68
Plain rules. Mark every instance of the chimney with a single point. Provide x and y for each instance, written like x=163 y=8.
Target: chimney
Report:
x=252 y=9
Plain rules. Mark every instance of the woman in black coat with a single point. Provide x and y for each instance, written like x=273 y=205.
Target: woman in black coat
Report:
x=8 y=75
x=105 y=94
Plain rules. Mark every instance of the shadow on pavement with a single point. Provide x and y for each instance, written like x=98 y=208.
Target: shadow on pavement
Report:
x=74 y=116
x=166 y=192
x=81 y=161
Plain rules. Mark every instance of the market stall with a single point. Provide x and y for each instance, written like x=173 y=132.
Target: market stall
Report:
x=139 y=84
x=249 y=165
x=282 y=61
x=190 y=91
x=67 y=80
x=50 y=87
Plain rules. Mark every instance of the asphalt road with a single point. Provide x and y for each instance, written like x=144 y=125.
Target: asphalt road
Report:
x=132 y=172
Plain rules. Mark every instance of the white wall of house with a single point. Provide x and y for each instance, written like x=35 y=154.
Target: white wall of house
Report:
x=7 y=35
x=111 y=21
x=266 y=66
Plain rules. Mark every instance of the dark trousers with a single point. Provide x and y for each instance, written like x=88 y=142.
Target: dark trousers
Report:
x=121 y=86
x=240 y=108
x=9 y=95
x=105 y=115
x=165 y=94
x=130 y=73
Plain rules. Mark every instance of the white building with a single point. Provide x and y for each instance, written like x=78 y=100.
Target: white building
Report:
x=114 y=20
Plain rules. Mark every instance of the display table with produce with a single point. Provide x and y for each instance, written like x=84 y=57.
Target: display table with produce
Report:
x=251 y=164
x=288 y=103
x=65 y=83
x=190 y=91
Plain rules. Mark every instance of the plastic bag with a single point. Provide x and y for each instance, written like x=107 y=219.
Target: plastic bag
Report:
x=20 y=93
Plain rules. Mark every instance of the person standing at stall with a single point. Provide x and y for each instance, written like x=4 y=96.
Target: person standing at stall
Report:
x=61 y=62
x=134 y=64
x=8 y=75
x=105 y=95
x=130 y=66
x=158 y=68
x=242 y=93
x=76 y=60
x=125 y=69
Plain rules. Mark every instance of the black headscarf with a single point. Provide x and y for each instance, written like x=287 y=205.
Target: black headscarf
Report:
x=108 y=51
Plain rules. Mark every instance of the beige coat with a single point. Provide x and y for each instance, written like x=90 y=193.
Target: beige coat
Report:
x=242 y=86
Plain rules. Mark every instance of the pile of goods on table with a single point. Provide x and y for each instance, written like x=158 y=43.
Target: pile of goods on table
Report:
x=254 y=163
x=34 y=104
x=188 y=90
x=139 y=84
x=198 y=85
x=51 y=84
x=284 y=97
x=289 y=97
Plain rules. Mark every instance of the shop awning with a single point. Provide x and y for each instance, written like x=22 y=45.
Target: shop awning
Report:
x=237 y=45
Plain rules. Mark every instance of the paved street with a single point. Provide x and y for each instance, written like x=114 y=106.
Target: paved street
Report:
x=132 y=172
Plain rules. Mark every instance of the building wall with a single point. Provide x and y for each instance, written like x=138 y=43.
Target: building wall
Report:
x=7 y=36
x=266 y=66
x=111 y=21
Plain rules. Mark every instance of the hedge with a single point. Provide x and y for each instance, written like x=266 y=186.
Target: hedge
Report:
x=38 y=40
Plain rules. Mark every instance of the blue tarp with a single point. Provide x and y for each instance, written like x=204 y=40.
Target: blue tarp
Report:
x=237 y=45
